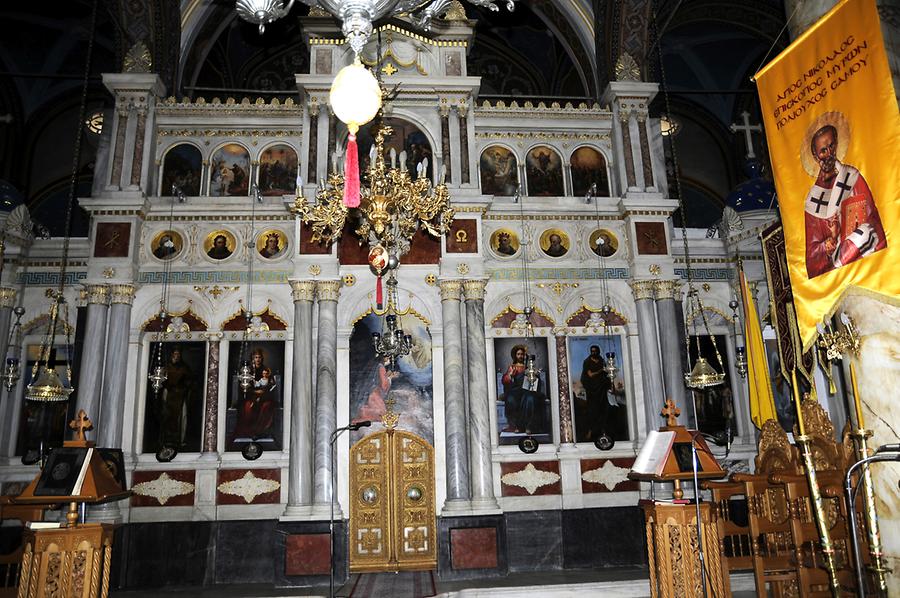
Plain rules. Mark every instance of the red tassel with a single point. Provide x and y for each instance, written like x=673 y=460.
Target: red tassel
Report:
x=379 y=299
x=351 y=174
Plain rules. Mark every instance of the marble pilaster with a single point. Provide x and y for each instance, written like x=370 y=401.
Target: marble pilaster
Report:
x=566 y=434
x=670 y=342
x=109 y=430
x=646 y=165
x=480 y=431
x=90 y=371
x=444 y=110
x=211 y=413
x=625 y=123
x=454 y=398
x=312 y=165
x=651 y=365
x=327 y=293
x=301 y=471
x=463 y=110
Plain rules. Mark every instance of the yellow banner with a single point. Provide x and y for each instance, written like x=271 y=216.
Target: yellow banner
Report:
x=759 y=382
x=833 y=131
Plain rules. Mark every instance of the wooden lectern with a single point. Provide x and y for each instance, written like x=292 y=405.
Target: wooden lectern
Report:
x=74 y=560
x=672 y=544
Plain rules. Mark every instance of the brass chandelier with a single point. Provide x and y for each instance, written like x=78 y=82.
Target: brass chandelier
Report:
x=392 y=207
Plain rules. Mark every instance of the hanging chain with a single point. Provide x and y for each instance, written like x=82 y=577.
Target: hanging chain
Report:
x=693 y=295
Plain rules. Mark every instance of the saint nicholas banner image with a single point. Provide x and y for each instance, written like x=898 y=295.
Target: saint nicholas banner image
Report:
x=833 y=131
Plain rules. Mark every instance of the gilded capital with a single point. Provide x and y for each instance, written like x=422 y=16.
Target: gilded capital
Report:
x=444 y=109
x=624 y=115
x=643 y=289
x=314 y=107
x=668 y=289
x=474 y=289
x=450 y=290
x=303 y=290
x=121 y=293
x=328 y=290
x=97 y=293
x=640 y=115
x=7 y=297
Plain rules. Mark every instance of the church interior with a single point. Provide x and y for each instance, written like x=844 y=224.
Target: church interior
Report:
x=253 y=336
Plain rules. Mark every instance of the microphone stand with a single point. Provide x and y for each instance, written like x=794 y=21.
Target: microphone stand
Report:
x=851 y=511
x=334 y=437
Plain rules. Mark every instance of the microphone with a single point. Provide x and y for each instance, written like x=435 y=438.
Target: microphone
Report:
x=357 y=425
x=729 y=437
x=888 y=448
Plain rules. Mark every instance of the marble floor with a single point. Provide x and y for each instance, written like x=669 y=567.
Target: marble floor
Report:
x=612 y=583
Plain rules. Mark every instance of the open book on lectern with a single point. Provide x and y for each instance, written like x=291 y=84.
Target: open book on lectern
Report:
x=655 y=452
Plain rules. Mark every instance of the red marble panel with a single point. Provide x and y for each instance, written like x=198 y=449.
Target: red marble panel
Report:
x=112 y=239
x=473 y=548
x=463 y=236
x=515 y=477
x=266 y=498
x=651 y=238
x=592 y=487
x=164 y=484
x=310 y=247
x=307 y=554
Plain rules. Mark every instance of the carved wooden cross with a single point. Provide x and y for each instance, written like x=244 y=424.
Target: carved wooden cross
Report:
x=671 y=413
x=81 y=424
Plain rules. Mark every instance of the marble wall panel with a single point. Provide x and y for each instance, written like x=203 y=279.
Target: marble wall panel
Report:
x=248 y=487
x=534 y=478
x=607 y=475
x=173 y=488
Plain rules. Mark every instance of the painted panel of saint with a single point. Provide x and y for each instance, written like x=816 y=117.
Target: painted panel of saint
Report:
x=40 y=422
x=173 y=417
x=782 y=391
x=229 y=173
x=715 y=404
x=278 y=170
x=499 y=171
x=543 y=170
x=257 y=413
x=589 y=168
x=599 y=404
x=373 y=383
x=182 y=167
x=523 y=401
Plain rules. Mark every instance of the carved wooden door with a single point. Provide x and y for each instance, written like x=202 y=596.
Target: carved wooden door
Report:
x=392 y=518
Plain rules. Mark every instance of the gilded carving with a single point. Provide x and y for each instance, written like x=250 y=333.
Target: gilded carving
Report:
x=627 y=68
x=97 y=293
x=328 y=290
x=668 y=289
x=450 y=289
x=7 y=297
x=303 y=290
x=643 y=289
x=121 y=293
x=474 y=289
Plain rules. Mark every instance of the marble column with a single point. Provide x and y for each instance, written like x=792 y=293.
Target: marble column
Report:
x=670 y=342
x=332 y=137
x=454 y=399
x=646 y=165
x=112 y=396
x=566 y=432
x=480 y=431
x=301 y=470
x=651 y=366
x=211 y=411
x=462 y=110
x=327 y=293
x=90 y=373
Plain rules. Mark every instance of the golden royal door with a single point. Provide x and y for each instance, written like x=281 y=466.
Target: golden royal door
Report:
x=392 y=518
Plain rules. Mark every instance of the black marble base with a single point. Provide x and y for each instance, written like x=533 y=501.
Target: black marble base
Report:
x=341 y=565
x=608 y=537
x=446 y=571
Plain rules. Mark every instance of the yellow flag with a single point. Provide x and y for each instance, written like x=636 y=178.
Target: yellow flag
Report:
x=833 y=131
x=762 y=403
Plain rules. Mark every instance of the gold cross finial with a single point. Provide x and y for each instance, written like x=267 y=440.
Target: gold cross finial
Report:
x=671 y=413
x=81 y=424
